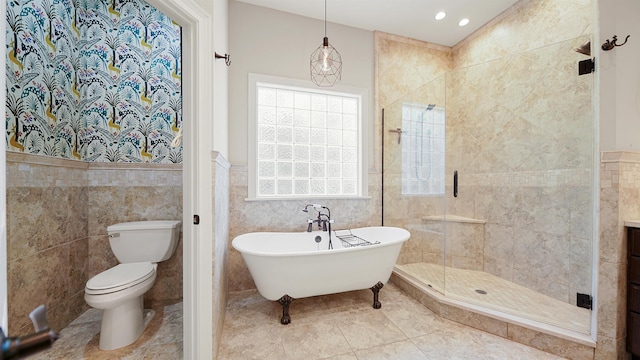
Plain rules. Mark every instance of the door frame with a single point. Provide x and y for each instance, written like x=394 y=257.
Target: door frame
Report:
x=197 y=96
x=4 y=309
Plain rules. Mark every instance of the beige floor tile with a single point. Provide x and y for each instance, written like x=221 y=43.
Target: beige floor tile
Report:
x=167 y=351
x=247 y=309
x=448 y=343
x=261 y=341
x=313 y=338
x=349 y=300
x=402 y=350
x=72 y=342
x=349 y=356
x=495 y=347
x=365 y=328
x=170 y=328
x=411 y=317
x=305 y=307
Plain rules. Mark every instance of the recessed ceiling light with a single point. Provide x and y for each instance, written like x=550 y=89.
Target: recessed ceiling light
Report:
x=441 y=15
x=463 y=22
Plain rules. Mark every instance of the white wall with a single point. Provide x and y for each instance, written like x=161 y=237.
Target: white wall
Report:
x=221 y=78
x=271 y=42
x=619 y=75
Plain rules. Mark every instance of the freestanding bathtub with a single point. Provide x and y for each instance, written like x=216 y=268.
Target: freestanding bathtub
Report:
x=286 y=265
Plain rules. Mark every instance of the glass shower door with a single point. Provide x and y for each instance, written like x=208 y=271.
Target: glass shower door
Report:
x=520 y=135
x=414 y=180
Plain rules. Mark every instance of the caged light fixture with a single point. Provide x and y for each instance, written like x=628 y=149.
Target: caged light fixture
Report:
x=326 y=62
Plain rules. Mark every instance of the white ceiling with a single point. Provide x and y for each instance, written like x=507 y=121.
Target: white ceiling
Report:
x=410 y=18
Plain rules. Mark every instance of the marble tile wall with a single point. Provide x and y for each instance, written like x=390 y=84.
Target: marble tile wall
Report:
x=57 y=213
x=520 y=129
x=46 y=238
x=466 y=242
x=395 y=54
x=527 y=25
x=464 y=246
x=286 y=215
x=619 y=201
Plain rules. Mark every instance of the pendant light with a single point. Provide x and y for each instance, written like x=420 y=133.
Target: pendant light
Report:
x=326 y=63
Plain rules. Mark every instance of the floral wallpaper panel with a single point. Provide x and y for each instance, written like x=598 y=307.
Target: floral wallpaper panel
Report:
x=93 y=80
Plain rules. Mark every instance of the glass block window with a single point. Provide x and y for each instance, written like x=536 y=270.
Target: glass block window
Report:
x=308 y=142
x=423 y=150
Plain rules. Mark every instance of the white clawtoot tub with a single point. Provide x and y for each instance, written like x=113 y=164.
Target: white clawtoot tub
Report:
x=287 y=266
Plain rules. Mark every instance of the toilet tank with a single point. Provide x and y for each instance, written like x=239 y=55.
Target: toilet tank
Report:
x=142 y=241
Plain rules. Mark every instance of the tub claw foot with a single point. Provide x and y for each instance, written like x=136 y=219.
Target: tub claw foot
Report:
x=376 y=289
x=285 y=301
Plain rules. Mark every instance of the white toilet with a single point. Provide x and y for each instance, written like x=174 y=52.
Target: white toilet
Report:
x=118 y=291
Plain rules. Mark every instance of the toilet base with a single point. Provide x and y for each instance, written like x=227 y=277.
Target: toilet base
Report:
x=122 y=325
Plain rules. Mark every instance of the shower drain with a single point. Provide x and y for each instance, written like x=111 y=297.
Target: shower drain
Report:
x=480 y=291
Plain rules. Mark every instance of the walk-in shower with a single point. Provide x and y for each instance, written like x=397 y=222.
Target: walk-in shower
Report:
x=518 y=132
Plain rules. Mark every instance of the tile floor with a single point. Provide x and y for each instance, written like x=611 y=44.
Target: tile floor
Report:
x=333 y=327
x=161 y=340
x=346 y=327
x=502 y=295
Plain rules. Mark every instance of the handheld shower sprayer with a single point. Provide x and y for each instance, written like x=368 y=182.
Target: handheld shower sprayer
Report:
x=316 y=207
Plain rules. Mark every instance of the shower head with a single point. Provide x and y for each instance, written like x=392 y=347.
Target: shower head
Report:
x=430 y=107
x=584 y=49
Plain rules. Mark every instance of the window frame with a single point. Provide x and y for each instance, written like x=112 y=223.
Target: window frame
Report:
x=254 y=80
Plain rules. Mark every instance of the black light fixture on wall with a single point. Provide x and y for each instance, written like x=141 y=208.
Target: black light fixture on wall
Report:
x=326 y=62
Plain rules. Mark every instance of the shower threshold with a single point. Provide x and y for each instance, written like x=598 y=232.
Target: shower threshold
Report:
x=495 y=305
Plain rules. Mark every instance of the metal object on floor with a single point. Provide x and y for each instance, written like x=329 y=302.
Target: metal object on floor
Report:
x=42 y=339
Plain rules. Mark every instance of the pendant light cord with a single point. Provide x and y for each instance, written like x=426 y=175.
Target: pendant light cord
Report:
x=325 y=18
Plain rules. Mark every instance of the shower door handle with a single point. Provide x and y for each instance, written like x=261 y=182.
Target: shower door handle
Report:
x=455 y=183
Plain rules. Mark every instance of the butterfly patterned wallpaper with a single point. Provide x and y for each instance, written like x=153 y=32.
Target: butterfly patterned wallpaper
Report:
x=93 y=80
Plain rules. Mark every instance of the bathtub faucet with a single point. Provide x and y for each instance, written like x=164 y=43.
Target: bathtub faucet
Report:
x=322 y=220
x=322 y=224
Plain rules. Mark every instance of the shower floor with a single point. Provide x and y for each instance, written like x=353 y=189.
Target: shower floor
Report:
x=501 y=295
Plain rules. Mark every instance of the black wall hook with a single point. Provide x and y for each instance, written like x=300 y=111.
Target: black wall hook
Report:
x=226 y=57
x=609 y=45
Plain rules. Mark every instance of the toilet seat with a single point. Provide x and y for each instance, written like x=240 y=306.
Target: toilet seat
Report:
x=120 y=277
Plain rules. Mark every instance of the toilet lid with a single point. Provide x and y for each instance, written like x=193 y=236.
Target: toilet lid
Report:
x=121 y=276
